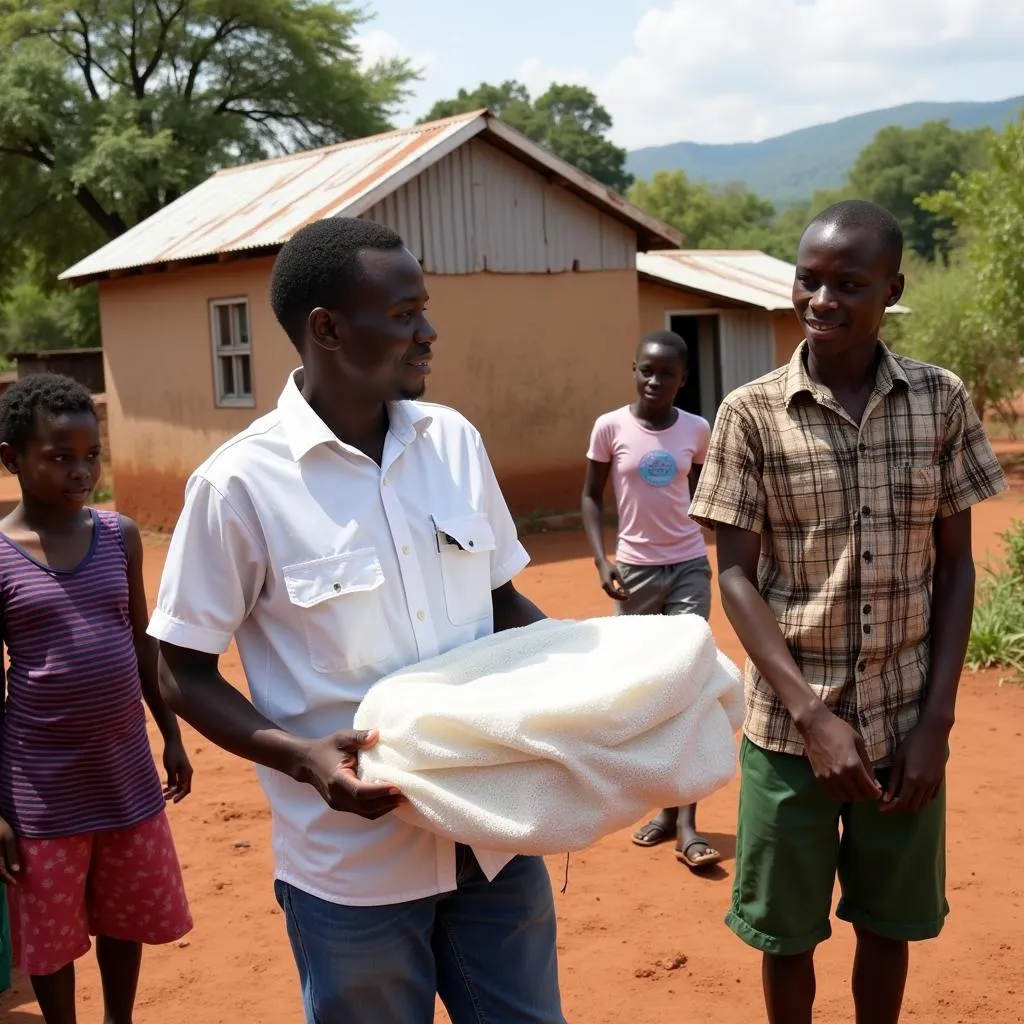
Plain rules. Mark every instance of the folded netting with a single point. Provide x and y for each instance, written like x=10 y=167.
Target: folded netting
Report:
x=543 y=739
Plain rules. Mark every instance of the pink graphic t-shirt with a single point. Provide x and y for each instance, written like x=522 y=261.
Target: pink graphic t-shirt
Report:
x=649 y=471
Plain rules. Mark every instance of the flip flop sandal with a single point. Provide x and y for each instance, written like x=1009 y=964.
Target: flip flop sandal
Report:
x=653 y=834
x=697 y=864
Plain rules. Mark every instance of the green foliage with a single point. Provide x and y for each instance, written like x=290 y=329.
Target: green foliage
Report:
x=110 y=109
x=947 y=326
x=33 y=319
x=997 y=632
x=120 y=105
x=567 y=119
x=709 y=218
x=728 y=216
x=901 y=164
x=987 y=206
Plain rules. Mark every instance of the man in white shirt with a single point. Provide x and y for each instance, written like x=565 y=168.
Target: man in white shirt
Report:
x=351 y=532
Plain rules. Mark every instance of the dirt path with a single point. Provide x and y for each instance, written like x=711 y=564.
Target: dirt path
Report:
x=627 y=913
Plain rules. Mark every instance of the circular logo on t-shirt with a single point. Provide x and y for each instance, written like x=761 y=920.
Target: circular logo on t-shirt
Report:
x=658 y=468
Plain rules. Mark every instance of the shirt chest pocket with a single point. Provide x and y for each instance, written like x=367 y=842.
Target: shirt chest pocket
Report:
x=464 y=547
x=915 y=494
x=338 y=601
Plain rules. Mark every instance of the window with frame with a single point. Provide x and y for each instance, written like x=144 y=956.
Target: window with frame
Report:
x=232 y=352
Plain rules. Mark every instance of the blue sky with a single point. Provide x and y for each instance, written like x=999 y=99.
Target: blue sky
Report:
x=712 y=70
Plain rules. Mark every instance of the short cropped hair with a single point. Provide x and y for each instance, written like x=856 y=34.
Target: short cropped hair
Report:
x=40 y=393
x=875 y=220
x=667 y=339
x=319 y=265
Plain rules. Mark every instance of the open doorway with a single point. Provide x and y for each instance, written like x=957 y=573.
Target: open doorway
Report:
x=702 y=392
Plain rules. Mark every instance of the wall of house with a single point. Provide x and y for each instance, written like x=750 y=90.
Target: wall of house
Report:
x=656 y=301
x=479 y=209
x=159 y=371
x=531 y=359
x=788 y=335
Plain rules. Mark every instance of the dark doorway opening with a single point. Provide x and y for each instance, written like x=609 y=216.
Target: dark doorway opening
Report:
x=701 y=393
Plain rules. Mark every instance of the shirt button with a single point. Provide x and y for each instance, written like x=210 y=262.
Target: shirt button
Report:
x=337 y=586
x=865 y=511
x=867 y=609
x=405 y=549
x=868 y=556
x=862 y=667
x=384 y=482
x=862 y=447
x=421 y=615
x=867 y=628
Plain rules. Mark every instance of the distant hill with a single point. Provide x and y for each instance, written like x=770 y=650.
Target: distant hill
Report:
x=793 y=166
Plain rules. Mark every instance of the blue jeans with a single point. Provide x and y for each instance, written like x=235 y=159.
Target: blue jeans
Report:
x=487 y=949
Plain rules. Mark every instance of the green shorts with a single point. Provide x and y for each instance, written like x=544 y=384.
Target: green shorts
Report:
x=789 y=850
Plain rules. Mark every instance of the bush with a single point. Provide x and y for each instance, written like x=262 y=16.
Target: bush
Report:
x=997 y=632
x=946 y=327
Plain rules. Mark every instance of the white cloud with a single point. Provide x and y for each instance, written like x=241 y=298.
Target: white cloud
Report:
x=375 y=44
x=748 y=69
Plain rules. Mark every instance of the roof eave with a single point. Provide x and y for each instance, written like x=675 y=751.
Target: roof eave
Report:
x=651 y=233
x=775 y=307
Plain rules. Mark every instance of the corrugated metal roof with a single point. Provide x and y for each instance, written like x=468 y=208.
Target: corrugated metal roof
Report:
x=747 y=276
x=260 y=206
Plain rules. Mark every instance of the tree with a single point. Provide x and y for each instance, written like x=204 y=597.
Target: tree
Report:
x=900 y=164
x=709 y=217
x=33 y=319
x=987 y=207
x=567 y=119
x=945 y=326
x=111 y=109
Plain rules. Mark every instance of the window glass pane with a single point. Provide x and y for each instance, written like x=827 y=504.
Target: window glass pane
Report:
x=243 y=323
x=223 y=326
x=227 y=377
x=244 y=375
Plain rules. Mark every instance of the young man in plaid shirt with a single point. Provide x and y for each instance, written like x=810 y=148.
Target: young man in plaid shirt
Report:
x=840 y=488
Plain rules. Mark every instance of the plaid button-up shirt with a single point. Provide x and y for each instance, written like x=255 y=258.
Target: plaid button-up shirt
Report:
x=846 y=514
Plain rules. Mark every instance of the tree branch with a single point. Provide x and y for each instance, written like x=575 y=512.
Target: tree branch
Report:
x=138 y=85
x=223 y=31
x=30 y=152
x=165 y=27
x=86 y=63
x=111 y=223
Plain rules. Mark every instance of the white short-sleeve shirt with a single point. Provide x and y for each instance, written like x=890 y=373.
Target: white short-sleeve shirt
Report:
x=331 y=572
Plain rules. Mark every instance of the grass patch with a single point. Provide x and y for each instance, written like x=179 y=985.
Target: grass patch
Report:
x=997 y=632
x=103 y=494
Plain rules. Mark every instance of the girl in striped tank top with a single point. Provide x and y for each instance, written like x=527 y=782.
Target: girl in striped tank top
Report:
x=85 y=848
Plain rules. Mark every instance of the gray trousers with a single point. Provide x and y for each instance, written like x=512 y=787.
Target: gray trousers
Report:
x=683 y=589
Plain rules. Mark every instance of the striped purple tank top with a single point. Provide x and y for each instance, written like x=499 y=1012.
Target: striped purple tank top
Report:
x=74 y=754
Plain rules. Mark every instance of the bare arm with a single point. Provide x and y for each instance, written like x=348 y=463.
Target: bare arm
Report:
x=694 y=477
x=9 y=866
x=177 y=766
x=145 y=645
x=836 y=751
x=192 y=684
x=512 y=609
x=593 y=526
x=952 y=612
x=919 y=766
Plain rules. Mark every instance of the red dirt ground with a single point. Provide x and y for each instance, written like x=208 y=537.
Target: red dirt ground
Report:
x=642 y=939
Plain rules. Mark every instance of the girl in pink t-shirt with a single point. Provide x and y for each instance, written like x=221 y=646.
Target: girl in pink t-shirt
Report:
x=653 y=453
